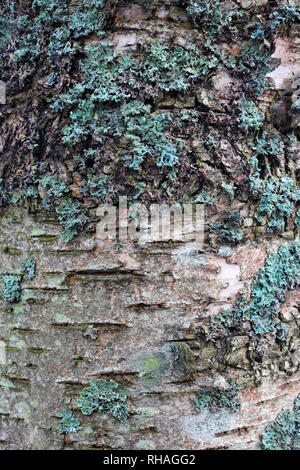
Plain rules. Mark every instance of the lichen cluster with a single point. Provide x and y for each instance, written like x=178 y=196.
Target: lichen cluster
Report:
x=11 y=283
x=113 y=130
x=101 y=395
x=284 y=433
x=280 y=274
x=171 y=120
x=68 y=422
x=11 y=288
x=218 y=399
x=106 y=397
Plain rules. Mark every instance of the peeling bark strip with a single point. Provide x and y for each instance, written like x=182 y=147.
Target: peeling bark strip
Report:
x=108 y=343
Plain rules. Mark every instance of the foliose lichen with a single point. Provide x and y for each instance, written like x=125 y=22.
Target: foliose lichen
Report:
x=106 y=397
x=284 y=433
x=69 y=422
x=11 y=288
x=218 y=399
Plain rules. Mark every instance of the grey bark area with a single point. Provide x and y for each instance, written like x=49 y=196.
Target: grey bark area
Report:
x=93 y=312
x=141 y=314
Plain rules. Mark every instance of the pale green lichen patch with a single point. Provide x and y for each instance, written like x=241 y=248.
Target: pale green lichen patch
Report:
x=146 y=413
x=5 y=407
x=150 y=366
x=217 y=399
x=28 y=269
x=106 y=397
x=6 y=383
x=280 y=274
x=68 y=422
x=61 y=318
x=284 y=433
x=16 y=342
x=18 y=309
x=11 y=288
x=22 y=411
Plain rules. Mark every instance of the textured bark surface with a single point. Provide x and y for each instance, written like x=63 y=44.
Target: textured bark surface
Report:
x=93 y=311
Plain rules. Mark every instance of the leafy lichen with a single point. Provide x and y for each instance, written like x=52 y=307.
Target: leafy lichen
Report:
x=105 y=396
x=284 y=433
x=113 y=103
x=28 y=269
x=11 y=288
x=251 y=117
x=228 y=230
x=211 y=17
x=278 y=201
x=218 y=399
x=69 y=422
x=280 y=274
x=72 y=217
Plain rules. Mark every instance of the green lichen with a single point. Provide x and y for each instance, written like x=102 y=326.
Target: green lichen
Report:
x=145 y=133
x=280 y=274
x=90 y=18
x=211 y=142
x=254 y=64
x=69 y=422
x=205 y=198
x=87 y=18
x=218 y=399
x=72 y=217
x=151 y=366
x=11 y=288
x=28 y=269
x=28 y=40
x=188 y=116
x=176 y=69
x=278 y=200
x=251 y=118
x=211 y=17
x=106 y=397
x=284 y=433
x=109 y=102
x=104 y=83
x=267 y=145
x=6 y=27
x=111 y=79
x=255 y=60
x=227 y=230
x=285 y=14
x=229 y=190
x=97 y=187
x=55 y=187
